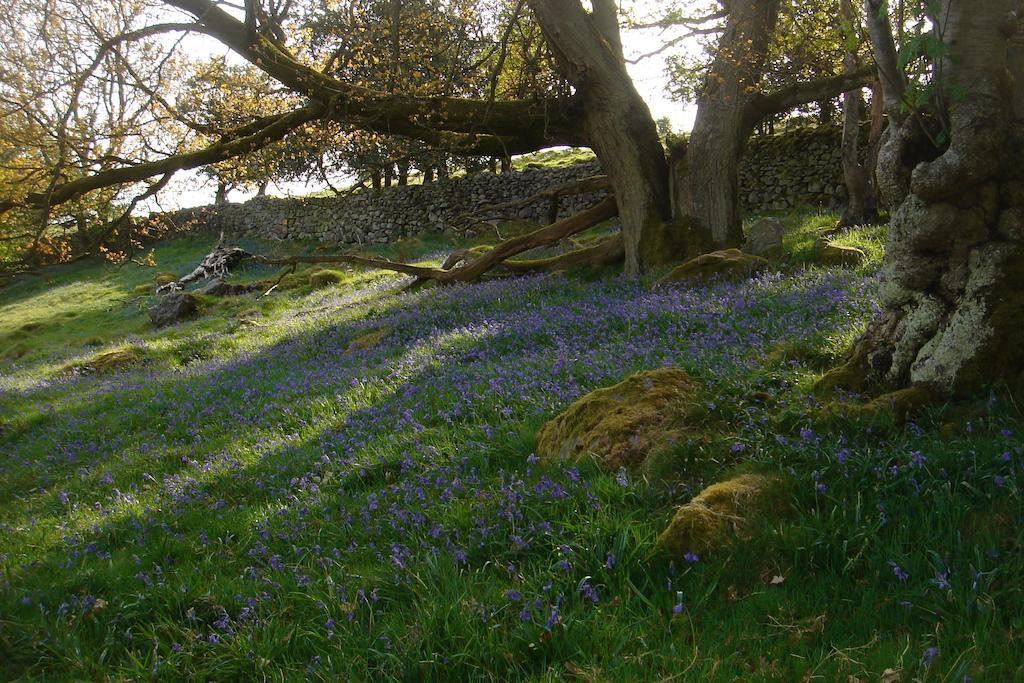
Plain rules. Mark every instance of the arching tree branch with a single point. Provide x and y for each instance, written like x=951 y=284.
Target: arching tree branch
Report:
x=788 y=98
x=521 y=125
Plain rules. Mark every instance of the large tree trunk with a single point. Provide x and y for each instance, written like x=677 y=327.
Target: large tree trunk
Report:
x=617 y=125
x=724 y=120
x=952 y=306
x=861 y=197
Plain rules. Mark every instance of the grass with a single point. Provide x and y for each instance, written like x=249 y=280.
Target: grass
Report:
x=346 y=489
x=553 y=158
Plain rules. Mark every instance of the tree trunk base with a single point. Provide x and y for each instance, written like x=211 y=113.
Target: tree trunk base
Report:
x=953 y=307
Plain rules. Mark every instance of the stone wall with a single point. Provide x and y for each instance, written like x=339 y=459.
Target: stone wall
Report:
x=375 y=216
x=800 y=167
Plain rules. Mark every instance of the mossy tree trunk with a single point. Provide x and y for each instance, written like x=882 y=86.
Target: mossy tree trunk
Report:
x=953 y=310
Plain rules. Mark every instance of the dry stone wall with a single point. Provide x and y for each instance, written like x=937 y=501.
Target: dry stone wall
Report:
x=799 y=167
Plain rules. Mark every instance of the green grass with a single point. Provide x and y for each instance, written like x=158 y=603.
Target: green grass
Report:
x=137 y=502
x=553 y=158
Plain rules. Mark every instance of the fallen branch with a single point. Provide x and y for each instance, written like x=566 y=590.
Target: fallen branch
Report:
x=215 y=264
x=460 y=266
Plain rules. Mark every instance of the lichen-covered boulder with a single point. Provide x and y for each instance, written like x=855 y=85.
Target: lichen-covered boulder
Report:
x=728 y=264
x=764 y=238
x=723 y=513
x=173 y=307
x=827 y=253
x=621 y=424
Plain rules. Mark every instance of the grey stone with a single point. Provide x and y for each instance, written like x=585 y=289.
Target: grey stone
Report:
x=173 y=307
x=764 y=238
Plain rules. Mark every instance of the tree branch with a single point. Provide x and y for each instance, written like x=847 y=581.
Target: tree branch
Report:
x=241 y=141
x=785 y=99
x=521 y=125
x=884 y=47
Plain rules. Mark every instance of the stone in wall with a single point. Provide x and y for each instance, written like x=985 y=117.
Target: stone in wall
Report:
x=793 y=168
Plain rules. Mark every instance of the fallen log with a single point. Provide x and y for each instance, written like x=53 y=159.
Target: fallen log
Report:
x=460 y=266
x=215 y=264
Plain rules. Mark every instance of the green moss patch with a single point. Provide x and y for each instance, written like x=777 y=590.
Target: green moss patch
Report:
x=325 y=277
x=109 y=361
x=161 y=279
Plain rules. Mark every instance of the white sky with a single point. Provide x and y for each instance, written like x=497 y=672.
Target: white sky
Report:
x=191 y=189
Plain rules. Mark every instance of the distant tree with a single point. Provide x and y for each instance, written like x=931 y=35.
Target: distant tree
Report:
x=220 y=97
x=858 y=161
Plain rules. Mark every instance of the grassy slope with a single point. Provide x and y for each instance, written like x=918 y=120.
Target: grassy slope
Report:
x=272 y=500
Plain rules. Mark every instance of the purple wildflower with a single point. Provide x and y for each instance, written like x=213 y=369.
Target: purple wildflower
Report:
x=621 y=478
x=898 y=571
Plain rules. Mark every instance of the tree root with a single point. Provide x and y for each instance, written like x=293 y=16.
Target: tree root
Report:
x=603 y=253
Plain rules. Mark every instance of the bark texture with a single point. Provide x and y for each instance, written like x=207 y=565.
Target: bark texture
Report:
x=862 y=198
x=723 y=122
x=951 y=296
x=617 y=125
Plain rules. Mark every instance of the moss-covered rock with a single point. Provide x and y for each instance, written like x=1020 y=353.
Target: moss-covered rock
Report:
x=325 y=277
x=161 y=279
x=620 y=425
x=728 y=264
x=723 y=513
x=367 y=341
x=109 y=361
x=828 y=253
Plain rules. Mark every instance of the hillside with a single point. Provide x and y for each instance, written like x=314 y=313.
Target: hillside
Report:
x=339 y=480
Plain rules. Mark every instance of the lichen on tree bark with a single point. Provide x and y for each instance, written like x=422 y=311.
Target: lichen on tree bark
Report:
x=951 y=294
